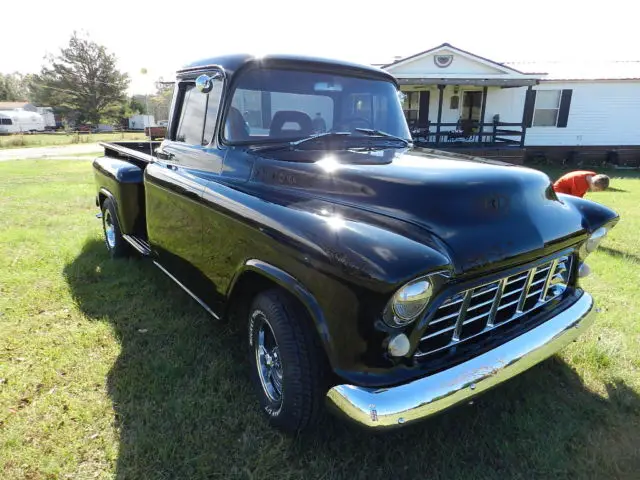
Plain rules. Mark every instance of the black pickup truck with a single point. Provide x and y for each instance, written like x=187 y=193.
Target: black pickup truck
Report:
x=386 y=281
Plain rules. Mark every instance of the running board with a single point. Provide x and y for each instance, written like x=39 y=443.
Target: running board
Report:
x=140 y=244
x=193 y=295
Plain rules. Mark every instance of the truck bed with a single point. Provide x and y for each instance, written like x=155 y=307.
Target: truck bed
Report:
x=139 y=153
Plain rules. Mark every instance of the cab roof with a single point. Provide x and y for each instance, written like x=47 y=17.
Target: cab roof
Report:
x=232 y=63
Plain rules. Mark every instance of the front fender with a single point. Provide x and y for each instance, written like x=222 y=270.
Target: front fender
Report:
x=294 y=287
x=344 y=274
x=594 y=214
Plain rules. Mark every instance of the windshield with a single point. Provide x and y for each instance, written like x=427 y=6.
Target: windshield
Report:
x=276 y=105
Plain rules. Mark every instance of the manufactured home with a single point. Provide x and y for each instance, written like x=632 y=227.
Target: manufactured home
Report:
x=19 y=121
x=558 y=111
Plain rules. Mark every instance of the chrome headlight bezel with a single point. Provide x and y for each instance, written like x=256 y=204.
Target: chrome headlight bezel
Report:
x=408 y=302
x=592 y=243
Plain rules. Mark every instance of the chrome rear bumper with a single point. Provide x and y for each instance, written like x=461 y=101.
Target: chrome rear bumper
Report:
x=384 y=408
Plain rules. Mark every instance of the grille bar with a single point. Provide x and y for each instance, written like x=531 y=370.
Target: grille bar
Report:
x=477 y=294
x=480 y=305
x=496 y=303
x=472 y=312
x=525 y=290
x=462 y=315
x=545 y=289
x=447 y=317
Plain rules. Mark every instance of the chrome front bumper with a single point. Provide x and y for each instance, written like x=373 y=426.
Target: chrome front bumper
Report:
x=383 y=408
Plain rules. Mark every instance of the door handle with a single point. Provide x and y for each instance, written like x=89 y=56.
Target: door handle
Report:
x=164 y=155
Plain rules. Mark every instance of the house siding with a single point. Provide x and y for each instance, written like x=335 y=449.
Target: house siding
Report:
x=601 y=113
x=506 y=102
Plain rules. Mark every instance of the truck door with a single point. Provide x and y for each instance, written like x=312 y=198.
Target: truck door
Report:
x=174 y=185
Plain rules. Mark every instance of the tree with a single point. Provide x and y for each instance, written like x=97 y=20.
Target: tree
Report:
x=83 y=80
x=13 y=87
x=160 y=103
x=137 y=104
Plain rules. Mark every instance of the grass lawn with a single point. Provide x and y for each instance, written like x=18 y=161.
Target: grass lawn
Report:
x=49 y=139
x=107 y=369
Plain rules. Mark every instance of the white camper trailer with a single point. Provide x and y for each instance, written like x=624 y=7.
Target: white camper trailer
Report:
x=48 y=116
x=17 y=121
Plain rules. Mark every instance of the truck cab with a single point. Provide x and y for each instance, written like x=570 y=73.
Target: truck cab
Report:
x=386 y=281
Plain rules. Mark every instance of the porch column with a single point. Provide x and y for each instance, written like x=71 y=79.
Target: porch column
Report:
x=483 y=109
x=440 y=98
x=526 y=111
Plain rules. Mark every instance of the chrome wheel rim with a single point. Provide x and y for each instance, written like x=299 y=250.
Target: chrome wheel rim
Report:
x=268 y=359
x=109 y=230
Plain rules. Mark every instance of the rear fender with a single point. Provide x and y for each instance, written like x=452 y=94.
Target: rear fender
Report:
x=123 y=183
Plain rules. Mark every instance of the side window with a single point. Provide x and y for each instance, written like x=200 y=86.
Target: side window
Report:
x=191 y=123
x=213 y=105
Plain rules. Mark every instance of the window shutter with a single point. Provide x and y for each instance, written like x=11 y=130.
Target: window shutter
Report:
x=565 y=103
x=423 y=115
x=529 y=104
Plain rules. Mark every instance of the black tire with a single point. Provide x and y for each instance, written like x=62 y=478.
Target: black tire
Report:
x=116 y=244
x=303 y=363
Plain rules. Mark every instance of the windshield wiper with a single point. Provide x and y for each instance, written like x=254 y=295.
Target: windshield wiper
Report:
x=296 y=143
x=302 y=141
x=293 y=145
x=379 y=133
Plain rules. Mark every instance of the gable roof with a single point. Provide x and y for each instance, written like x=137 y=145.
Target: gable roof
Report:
x=12 y=105
x=459 y=51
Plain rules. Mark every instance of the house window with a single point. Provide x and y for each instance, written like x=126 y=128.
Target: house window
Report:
x=547 y=108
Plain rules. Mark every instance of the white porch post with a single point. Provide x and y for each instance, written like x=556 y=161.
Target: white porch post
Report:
x=483 y=109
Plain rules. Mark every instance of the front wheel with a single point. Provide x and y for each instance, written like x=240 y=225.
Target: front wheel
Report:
x=289 y=367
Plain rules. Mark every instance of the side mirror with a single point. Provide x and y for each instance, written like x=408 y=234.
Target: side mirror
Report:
x=204 y=83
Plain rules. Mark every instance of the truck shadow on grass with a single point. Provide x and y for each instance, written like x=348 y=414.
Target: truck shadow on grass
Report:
x=184 y=407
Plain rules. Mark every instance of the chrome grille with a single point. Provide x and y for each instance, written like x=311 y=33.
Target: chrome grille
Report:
x=475 y=311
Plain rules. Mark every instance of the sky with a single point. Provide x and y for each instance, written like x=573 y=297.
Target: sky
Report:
x=162 y=36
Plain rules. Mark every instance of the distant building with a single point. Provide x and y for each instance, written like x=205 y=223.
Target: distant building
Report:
x=456 y=100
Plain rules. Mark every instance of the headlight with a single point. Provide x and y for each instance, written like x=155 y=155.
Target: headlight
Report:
x=593 y=241
x=407 y=303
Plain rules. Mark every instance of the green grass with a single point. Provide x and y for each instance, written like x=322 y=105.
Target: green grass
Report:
x=51 y=139
x=108 y=370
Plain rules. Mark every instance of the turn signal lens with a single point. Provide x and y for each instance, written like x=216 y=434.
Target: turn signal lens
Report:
x=399 y=345
x=584 y=270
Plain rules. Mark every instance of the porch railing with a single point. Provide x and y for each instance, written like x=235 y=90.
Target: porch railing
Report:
x=484 y=134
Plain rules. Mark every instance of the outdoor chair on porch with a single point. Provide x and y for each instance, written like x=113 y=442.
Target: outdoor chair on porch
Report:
x=420 y=133
x=465 y=131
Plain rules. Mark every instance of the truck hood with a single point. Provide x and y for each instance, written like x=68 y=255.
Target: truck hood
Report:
x=482 y=212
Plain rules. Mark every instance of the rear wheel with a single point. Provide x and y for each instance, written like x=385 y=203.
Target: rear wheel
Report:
x=116 y=244
x=289 y=367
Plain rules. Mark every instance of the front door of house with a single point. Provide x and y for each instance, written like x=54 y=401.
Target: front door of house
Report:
x=471 y=105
